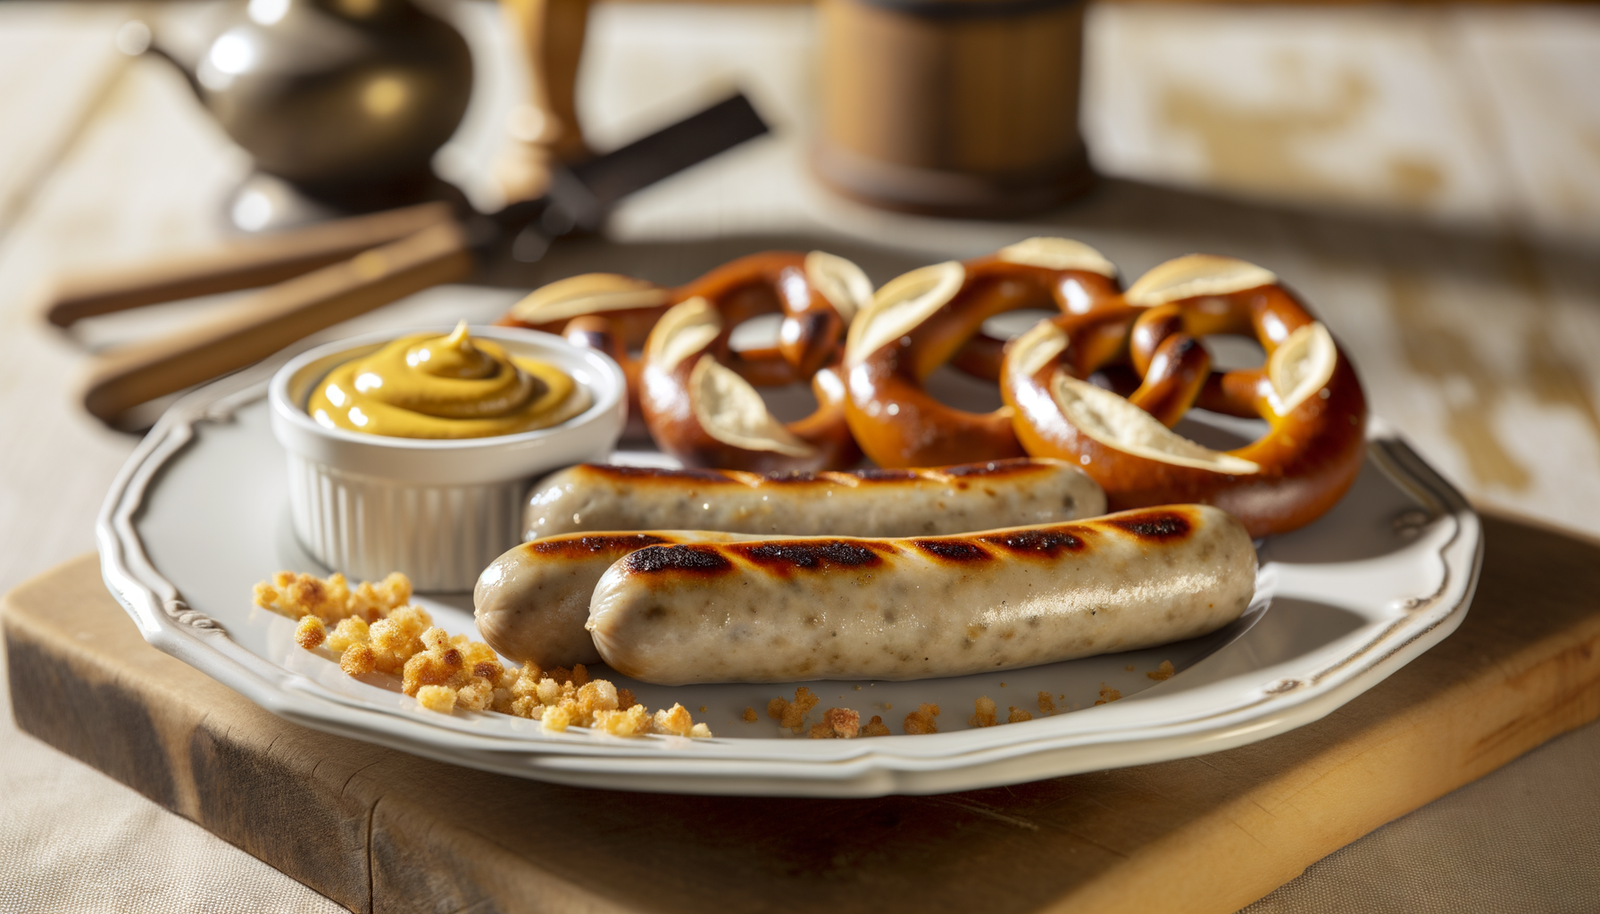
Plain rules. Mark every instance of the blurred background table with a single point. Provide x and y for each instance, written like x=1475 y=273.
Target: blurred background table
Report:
x=1428 y=177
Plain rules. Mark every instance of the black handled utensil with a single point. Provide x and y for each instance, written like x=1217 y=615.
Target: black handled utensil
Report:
x=332 y=272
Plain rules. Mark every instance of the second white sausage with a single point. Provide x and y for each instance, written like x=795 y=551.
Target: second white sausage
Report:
x=870 y=502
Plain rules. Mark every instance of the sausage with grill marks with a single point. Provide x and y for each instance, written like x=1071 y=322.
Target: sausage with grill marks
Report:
x=784 y=610
x=871 y=502
x=531 y=603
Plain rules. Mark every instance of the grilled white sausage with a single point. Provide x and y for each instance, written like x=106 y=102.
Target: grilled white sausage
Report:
x=926 y=502
x=892 y=609
x=531 y=603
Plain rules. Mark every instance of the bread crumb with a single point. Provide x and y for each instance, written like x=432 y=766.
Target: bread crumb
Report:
x=376 y=631
x=857 y=688
x=702 y=709
x=875 y=727
x=1107 y=694
x=549 y=692
x=1002 y=685
x=983 y=713
x=437 y=698
x=1162 y=672
x=922 y=719
x=1047 y=704
x=674 y=720
x=596 y=696
x=577 y=677
x=310 y=633
x=1129 y=668
x=750 y=715
x=358 y=660
x=437 y=663
x=298 y=595
x=557 y=718
x=837 y=723
x=635 y=721
x=396 y=637
x=351 y=630
x=476 y=695
x=792 y=714
x=1018 y=715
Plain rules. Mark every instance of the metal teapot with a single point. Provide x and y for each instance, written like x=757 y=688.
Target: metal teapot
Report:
x=345 y=99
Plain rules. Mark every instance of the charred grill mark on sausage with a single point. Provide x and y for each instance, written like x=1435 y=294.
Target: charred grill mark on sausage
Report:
x=1037 y=543
x=591 y=544
x=701 y=560
x=951 y=550
x=787 y=555
x=1161 y=526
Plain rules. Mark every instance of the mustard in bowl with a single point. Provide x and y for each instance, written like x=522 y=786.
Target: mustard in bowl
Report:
x=452 y=386
x=412 y=451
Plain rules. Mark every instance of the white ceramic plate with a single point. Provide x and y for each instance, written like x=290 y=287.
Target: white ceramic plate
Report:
x=198 y=515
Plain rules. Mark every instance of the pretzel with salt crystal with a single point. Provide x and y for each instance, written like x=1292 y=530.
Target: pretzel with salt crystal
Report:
x=925 y=318
x=697 y=394
x=1307 y=392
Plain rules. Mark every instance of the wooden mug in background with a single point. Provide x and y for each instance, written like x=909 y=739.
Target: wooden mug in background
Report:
x=952 y=107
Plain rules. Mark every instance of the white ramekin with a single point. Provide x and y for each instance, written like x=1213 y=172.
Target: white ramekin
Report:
x=438 y=511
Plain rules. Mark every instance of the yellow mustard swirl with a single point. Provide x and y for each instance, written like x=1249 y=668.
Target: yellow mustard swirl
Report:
x=445 y=387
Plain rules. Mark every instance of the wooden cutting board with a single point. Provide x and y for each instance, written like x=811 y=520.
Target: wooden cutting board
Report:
x=379 y=830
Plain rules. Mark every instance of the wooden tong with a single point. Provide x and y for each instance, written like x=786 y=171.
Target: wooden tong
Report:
x=310 y=279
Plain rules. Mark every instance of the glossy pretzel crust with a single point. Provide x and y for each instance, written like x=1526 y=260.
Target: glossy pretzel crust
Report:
x=1307 y=460
x=895 y=420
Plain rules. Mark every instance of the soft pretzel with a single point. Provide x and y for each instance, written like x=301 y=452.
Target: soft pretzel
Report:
x=698 y=395
x=607 y=312
x=818 y=293
x=1307 y=392
x=923 y=319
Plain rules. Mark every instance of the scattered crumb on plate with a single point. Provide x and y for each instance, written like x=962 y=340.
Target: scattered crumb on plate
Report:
x=376 y=631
